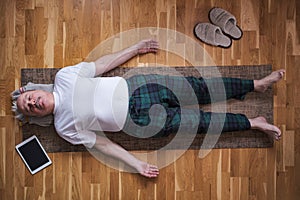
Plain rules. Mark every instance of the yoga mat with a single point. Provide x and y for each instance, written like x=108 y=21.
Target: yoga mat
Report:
x=255 y=104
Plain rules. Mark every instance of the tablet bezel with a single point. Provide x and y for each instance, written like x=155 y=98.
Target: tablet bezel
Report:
x=45 y=153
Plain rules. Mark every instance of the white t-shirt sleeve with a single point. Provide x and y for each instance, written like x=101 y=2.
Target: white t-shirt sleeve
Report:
x=83 y=69
x=88 y=138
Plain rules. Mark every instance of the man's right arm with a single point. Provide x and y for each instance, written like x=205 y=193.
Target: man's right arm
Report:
x=111 y=61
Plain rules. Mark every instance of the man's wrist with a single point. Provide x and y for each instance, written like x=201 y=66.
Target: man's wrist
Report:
x=136 y=164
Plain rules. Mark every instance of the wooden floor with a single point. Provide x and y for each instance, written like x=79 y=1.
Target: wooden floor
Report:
x=56 y=33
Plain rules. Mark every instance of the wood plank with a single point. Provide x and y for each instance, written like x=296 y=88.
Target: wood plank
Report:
x=55 y=33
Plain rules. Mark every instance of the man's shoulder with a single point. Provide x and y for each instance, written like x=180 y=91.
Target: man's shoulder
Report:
x=66 y=72
x=85 y=69
x=67 y=69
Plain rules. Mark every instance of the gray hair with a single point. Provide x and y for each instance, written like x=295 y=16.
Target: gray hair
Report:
x=41 y=121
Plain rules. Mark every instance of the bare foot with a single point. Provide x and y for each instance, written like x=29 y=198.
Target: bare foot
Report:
x=263 y=84
x=261 y=124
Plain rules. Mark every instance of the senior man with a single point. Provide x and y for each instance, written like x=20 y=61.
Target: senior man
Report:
x=77 y=121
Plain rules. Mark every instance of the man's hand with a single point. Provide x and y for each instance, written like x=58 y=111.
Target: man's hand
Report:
x=109 y=148
x=147 y=170
x=147 y=46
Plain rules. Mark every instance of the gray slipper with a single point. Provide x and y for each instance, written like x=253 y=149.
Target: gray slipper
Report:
x=212 y=35
x=226 y=21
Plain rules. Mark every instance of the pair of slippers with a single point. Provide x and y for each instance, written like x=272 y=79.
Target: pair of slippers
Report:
x=221 y=29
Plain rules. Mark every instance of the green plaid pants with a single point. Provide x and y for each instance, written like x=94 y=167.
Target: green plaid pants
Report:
x=174 y=94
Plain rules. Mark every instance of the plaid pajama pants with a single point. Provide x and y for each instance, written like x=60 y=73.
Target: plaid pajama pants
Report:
x=145 y=91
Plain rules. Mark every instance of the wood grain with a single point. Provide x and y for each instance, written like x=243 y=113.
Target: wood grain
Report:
x=57 y=33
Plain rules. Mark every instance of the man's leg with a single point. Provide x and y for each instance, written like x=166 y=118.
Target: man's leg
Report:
x=204 y=122
x=217 y=122
x=206 y=90
x=220 y=89
x=236 y=88
x=190 y=120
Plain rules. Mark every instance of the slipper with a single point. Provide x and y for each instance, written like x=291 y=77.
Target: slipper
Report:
x=226 y=21
x=212 y=35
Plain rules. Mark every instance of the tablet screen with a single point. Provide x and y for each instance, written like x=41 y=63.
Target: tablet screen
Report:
x=33 y=154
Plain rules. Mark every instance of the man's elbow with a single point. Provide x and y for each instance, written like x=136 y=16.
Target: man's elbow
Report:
x=104 y=148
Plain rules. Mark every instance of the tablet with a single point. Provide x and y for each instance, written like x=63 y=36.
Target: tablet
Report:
x=33 y=154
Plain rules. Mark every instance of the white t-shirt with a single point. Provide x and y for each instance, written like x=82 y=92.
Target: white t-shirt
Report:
x=85 y=105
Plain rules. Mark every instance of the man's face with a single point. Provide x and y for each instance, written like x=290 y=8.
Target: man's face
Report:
x=36 y=103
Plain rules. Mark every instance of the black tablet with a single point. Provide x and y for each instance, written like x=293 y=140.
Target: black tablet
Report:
x=33 y=154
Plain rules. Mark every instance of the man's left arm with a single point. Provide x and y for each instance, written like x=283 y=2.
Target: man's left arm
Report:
x=111 y=149
x=111 y=61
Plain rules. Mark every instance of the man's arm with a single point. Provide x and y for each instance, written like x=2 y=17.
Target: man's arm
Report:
x=110 y=61
x=111 y=149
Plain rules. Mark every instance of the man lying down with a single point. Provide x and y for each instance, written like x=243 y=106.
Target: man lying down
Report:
x=107 y=104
